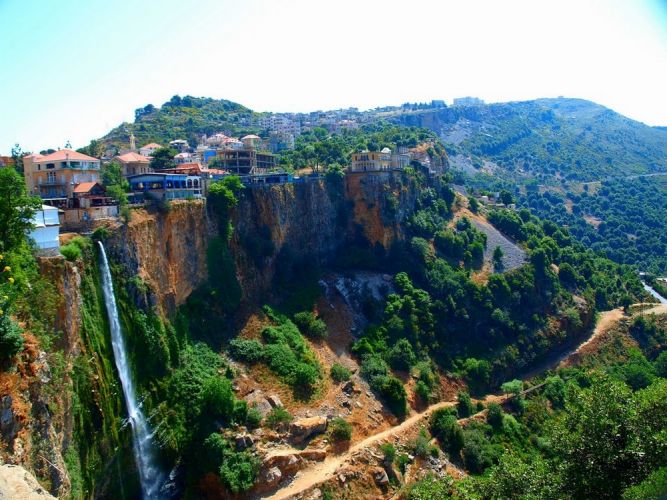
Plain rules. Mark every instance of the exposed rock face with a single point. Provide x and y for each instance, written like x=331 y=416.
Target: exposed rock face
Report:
x=16 y=482
x=167 y=251
x=301 y=430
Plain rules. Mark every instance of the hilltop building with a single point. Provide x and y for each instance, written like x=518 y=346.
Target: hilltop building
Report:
x=46 y=228
x=134 y=163
x=468 y=101
x=247 y=160
x=149 y=149
x=53 y=177
x=370 y=161
x=165 y=186
x=180 y=145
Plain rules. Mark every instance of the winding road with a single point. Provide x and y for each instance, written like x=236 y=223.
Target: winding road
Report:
x=321 y=472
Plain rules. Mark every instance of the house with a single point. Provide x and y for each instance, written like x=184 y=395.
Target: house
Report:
x=54 y=176
x=134 y=163
x=180 y=145
x=181 y=158
x=165 y=186
x=149 y=149
x=46 y=228
x=369 y=161
x=247 y=160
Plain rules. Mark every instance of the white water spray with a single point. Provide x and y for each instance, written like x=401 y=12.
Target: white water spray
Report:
x=144 y=454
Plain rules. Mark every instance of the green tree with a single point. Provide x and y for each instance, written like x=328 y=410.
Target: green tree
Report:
x=498 y=258
x=16 y=209
x=163 y=158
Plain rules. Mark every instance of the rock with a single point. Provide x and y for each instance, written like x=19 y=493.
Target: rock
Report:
x=316 y=455
x=243 y=441
x=16 y=482
x=380 y=476
x=359 y=405
x=302 y=429
x=346 y=404
x=348 y=388
x=274 y=401
x=272 y=477
x=9 y=425
x=257 y=399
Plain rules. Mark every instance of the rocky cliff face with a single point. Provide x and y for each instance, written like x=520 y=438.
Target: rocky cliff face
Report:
x=166 y=251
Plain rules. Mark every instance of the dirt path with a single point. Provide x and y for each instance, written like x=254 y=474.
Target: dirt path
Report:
x=323 y=471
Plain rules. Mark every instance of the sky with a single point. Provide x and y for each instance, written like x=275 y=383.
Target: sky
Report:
x=71 y=70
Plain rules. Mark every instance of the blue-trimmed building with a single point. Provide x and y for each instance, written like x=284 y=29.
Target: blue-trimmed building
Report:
x=167 y=186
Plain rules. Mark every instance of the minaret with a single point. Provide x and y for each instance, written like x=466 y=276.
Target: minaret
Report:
x=133 y=145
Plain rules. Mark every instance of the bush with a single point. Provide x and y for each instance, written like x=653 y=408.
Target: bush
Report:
x=310 y=326
x=239 y=471
x=253 y=419
x=339 y=373
x=11 y=337
x=448 y=431
x=277 y=418
x=393 y=392
x=464 y=406
x=401 y=356
x=422 y=446
x=306 y=376
x=388 y=452
x=250 y=351
x=430 y=488
x=423 y=391
x=340 y=430
x=495 y=416
x=478 y=454
x=71 y=252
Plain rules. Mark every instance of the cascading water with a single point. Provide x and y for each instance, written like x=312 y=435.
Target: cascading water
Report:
x=149 y=473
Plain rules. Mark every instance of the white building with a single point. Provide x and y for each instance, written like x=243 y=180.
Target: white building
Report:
x=46 y=228
x=149 y=149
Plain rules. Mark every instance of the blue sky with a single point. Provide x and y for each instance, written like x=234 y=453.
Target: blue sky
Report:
x=71 y=70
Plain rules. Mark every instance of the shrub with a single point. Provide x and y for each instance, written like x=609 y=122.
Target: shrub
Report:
x=280 y=359
x=495 y=416
x=250 y=351
x=401 y=356
x=422 y=446
x=448 y=431
x=388 y=452
x=464 y=405
x=339 y=373
x=253 y=419
x=310 y=326
x=277 y=417
x=373 y=366
x=478 y=454
x=430 y=488
x=306 y=376
x=239 y=471
x=71 y=252
x=393 y=392
x=423 y=391
x=11 y=337
x=340 y=430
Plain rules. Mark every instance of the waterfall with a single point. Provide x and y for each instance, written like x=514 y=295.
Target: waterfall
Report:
x=142 y=445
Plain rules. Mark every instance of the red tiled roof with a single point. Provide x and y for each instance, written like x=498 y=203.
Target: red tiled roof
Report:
x=133 y=158
x=153 y=145
x=67 y=154
x=216 y=171
x=85 y=187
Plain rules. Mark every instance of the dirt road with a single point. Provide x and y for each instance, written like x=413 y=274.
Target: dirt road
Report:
x=323 y=471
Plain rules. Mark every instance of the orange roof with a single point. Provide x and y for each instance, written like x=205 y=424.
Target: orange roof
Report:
x=133 y=158
x=85 y=187
x=152 y=145
x=67 y=154
x=216 y=171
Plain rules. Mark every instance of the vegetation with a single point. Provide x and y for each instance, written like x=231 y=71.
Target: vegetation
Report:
x=16 y=210
x=341 y=374
x=340 y=430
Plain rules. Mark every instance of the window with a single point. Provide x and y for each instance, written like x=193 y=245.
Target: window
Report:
x=51 y=177
x=50 y=165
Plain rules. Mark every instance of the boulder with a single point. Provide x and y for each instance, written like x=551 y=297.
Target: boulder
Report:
x=256 y=399
x=274 y=401
x=16 y=482
x=301 y=430
x=272 y=477
x=380 y=476
x=243 y=441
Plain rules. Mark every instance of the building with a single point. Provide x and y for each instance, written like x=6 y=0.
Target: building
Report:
x=181 y=158
x=46 y=228
x=370 y=161
x=134 y=163
x=180 y=145
x=149 y=149
x=53 y=177
x=468 y=101
x=246 y=161
x=164 y=186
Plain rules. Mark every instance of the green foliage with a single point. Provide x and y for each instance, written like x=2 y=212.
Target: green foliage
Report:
x=339 y=373
x=401 y=356
x=310 y=325
x=376 y=371
x=163 y=158
x=464 y=405
x=430 y=488
x=11 y=337
x=446 y=429
x=253 y=418
x=388 y=452
x=73 y=251
x=250 y=351
x=512 y=387
x=340 y=430
x=422 y=446
x=16 y=209
x=653 y=487
x=238 y=470
x=495 y=416
x=277 y=417
x=478 y=454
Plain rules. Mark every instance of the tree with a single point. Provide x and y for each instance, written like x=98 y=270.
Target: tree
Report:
x=163 y=158
x=498 y=258
x=506 y=197
x=16 y=209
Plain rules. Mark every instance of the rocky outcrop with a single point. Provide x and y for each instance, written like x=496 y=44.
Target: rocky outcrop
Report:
x=302 y=429
x=166 y=251
x=16 y=482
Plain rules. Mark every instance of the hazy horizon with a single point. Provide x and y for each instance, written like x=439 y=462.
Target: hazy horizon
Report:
x=78 y=82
